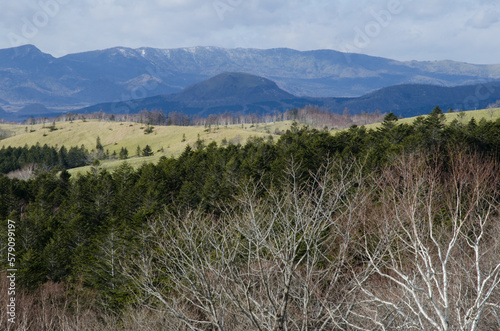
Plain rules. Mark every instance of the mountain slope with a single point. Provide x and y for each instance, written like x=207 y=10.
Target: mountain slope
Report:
x=412 y=100
x=229 y=86
x=230 y=91
x=29 y=76
x=26 y=57
x=244 y=93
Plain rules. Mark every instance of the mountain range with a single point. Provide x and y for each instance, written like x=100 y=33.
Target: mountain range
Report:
x=36 y=83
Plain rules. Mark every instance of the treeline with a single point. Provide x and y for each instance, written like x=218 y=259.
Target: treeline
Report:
x=309 y=115
x=44 y=157
x=24 y=162
x=310 y=231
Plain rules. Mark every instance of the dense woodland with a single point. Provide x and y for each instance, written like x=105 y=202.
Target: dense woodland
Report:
x=393 y=228
x=45 y=157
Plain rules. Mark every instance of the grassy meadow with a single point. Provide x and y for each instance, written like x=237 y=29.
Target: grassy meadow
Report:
x=164 y=140
x=491 y=114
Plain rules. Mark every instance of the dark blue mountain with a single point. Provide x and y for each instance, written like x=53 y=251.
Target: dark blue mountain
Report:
x=29 y=76
x=26 y=58
x=245 y=93
x=409 y=100
x=237 y=92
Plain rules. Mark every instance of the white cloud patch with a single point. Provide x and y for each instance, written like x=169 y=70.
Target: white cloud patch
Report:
x=484 y=18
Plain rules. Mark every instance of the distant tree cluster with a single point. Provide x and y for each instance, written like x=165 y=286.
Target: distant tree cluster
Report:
x=495 y=104
x=309 y=115
x=44 y=158
x=123 y=153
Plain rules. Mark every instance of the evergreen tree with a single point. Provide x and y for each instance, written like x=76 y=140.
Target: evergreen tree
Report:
x=63 y=156
x=436 y=118
x=434 y=124
x=389 y=121
x=147 y=151
x=123 y=153
x=98 y=145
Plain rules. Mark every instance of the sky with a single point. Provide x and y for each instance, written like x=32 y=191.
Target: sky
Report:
x=460 y=30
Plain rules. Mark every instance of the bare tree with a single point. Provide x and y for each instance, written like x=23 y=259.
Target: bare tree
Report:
x=25 y=173
x=432 y=257
x=296 y=251
x=414 y=248
x=275 y=260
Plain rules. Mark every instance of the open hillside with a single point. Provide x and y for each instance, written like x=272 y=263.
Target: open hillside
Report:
x=164 y=140
x=168 y=141
x=491 y=114
x=115 y=135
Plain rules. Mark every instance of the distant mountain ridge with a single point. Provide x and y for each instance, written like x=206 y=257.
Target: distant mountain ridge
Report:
x=29 y=76
x=245 y=93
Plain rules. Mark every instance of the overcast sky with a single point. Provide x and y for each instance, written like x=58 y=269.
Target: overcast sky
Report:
x=461 y=30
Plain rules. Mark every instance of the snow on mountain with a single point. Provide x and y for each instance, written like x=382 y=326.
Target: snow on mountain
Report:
x=29 y=76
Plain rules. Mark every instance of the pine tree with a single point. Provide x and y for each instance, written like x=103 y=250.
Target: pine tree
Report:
x=147 y=151
x=389 y=121
x=123 y=153
x=98 y=145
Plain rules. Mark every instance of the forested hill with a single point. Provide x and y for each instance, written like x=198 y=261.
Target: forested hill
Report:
x=89 y=238
x=240 y=93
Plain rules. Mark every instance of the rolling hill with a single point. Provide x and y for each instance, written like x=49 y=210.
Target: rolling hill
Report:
x=413 y=100
x=164 y=140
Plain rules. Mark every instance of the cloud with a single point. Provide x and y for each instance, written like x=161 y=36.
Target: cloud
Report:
x=425 y=29
x=484 y=19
